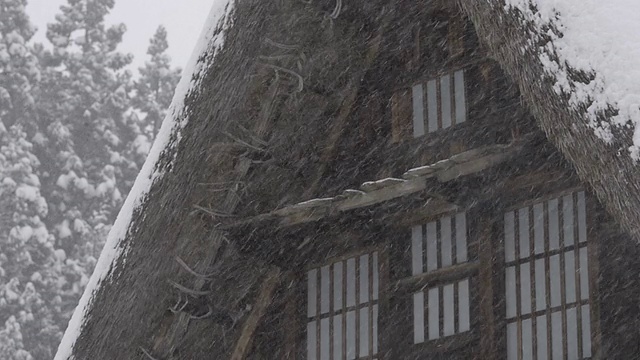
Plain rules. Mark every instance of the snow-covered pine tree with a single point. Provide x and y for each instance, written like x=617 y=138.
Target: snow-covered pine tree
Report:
x=86 y=131
x=18 y=66
x=70 y=148
x=154 y=89
x=29 y=263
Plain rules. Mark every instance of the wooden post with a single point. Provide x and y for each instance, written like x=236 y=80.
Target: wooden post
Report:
x=456 y=33
x=401 y=116
x=264 y=299
x=593 y=246
x=292 y=321
x=486 y=287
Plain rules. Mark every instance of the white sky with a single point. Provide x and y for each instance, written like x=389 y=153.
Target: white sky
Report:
x=183 y=19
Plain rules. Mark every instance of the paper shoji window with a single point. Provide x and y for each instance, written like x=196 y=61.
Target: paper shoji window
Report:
x=342 y=309
x=439 y=103
x=440 y=311
x=547 y=282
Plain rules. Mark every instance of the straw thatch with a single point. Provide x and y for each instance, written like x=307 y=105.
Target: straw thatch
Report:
x=249 y=123
x=235 y=128
x=613 y=175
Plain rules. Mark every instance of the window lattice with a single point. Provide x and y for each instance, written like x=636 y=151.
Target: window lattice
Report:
x=439 y=244
x=342 y=311
x=546 y=280
x=440 y=311
x=439 y=103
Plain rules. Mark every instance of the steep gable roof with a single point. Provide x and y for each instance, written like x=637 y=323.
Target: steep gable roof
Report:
x=586 y=108
x=123 y=308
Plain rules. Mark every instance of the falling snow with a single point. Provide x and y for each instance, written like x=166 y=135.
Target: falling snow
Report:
x=172 y=125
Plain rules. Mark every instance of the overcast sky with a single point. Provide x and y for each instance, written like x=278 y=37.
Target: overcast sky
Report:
x=183 y=19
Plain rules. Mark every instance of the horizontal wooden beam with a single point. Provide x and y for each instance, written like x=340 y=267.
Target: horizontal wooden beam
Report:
x=448 y=274
x=375 y=192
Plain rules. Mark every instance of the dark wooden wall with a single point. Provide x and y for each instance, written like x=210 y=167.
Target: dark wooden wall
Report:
x=329 y=145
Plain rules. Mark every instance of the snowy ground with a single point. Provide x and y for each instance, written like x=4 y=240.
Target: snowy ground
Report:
x=600 y=37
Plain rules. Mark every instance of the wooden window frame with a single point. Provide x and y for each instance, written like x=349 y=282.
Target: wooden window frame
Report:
x=485 y=270
x=404 y=109
x=440 y=277
x=301 y=315
x=591 y=245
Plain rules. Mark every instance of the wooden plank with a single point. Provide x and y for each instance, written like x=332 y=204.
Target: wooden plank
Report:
x=593 y=245
x=264 y=299
x=401 y=112
x=384 y=194
x=450 y=273
x=486 y=254
x=385 y=190
x=473 y=166
x=350 y=96
x=292 y=322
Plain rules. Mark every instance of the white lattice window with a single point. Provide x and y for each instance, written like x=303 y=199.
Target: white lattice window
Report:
x=443 y=310
x=439 y=103
x=547 y=281
x=342 y=309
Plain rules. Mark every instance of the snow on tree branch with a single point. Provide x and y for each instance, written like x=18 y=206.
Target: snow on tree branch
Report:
x=211 y=40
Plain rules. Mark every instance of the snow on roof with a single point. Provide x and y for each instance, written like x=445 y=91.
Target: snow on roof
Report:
x=602 y=39
x=210 y=41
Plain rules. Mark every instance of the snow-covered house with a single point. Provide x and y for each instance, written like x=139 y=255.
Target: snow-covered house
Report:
x=380 y=180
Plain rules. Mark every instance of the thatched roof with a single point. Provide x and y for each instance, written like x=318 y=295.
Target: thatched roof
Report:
x=256 y=68
x=516 y=42
x=227 y=104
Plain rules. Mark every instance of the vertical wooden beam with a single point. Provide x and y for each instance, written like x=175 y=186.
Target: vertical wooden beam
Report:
x=486 y=255
x=350 y=95
x=385 y=314
x=292 y=328
x=593 y=246
x=401 y=115
x=456 y=32
x=264 y=299
x=413 y=60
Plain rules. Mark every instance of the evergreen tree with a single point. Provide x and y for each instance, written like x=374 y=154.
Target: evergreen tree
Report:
x=29 y=277
x=18 y=65
x=29 y=263
x=71 y=145
x=154 y=89
x=11 y=345
x=85 y=134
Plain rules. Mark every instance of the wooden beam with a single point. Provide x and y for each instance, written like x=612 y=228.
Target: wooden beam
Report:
x=174 y=328
x=486 y=255
x=594 y=244
x=450 y=273
x=264 y=299
x=350 y=96
x=292 y=327
x=317 y=209
x=472 y=167
x=384 y=194
x=376 y=192
x=431 y=208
